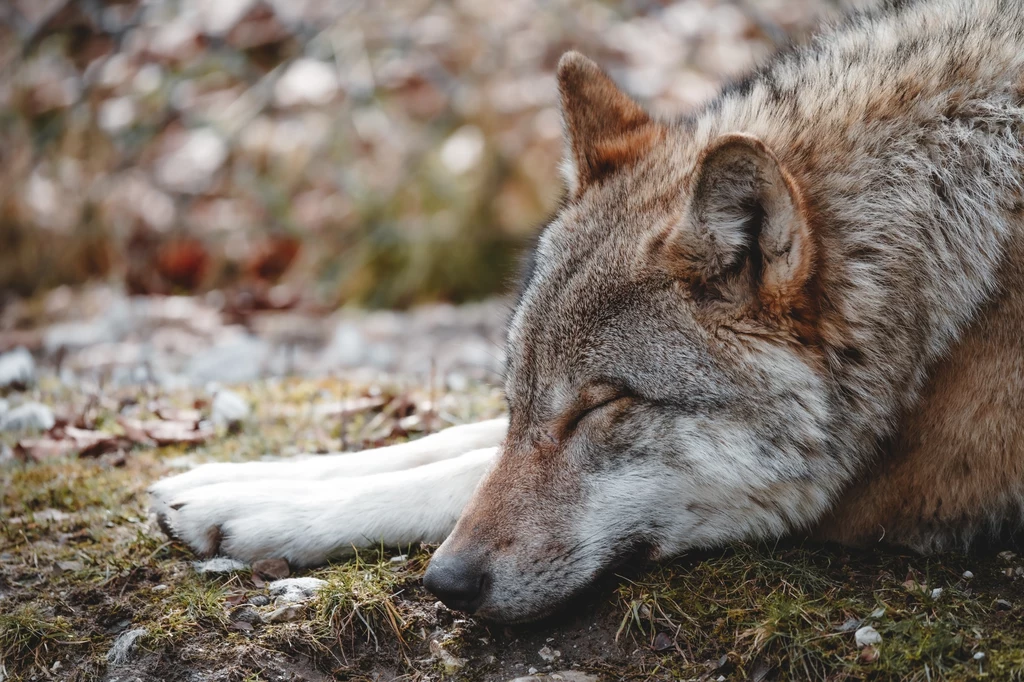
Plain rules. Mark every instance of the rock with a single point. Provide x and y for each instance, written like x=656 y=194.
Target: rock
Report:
x=307 y=81
x=17 y=369
x=231 y=409
x=663 y=642
x=190 y=166
x=28 y=417
x=450 y=662
x=286 y=614
x=270 y=569
x=548 y=654
x=1002 y=605
x=123 y=646
x=217 y=18
x=237 y=359
x=246 y=614
x=461 y=152
x=560 y=676
x=936 y=593
x=849 y=625
x=116 y=114
x=295 y=590
x=218 y=565
x=867 y=636
x=968 y=575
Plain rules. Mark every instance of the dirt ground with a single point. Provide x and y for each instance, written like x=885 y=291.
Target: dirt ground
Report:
x=90 y=589
x=82 y=564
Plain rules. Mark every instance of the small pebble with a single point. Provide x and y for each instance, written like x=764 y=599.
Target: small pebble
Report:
x=286 y=614
x=17 y=369
x=229 y=408
x=218 y=565
x=936 y=593
x=663 y=642
x=28 y=417
x=531 y=670
x=548 y=654
x=968 y=575
x=246 y=614
x=122 y=648
x=450 y=662
x=1002 y=605
x=294 y=590
x=271 y=569
x=867 y=636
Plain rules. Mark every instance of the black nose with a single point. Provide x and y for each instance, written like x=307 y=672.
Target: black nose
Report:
x=457 y=582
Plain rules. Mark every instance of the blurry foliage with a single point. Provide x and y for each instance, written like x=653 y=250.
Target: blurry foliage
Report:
x=382 y=152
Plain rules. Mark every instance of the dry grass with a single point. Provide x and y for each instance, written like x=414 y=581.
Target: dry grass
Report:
x=80 y=563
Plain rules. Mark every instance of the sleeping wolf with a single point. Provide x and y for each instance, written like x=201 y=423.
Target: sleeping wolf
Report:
x=800 y=310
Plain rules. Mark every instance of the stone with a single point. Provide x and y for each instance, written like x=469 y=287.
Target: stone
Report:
x=122 y=648
x=559 y=676
x=17 y=369
x=231 y=409
x=867 y=636
x=218 y=565
x=285 y=614
x=307 y=82
x=548 y=654
x=295 y=590
x=190 y=166
x=28 y=417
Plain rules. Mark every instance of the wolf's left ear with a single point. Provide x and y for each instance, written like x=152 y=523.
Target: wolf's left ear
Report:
x=604 y=128
x=746 y=217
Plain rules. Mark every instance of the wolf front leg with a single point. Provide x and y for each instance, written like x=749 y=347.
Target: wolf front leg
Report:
x=451 y=442
x=309 y=522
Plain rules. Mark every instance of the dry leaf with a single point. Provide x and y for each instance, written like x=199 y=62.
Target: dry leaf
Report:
x=164 y=432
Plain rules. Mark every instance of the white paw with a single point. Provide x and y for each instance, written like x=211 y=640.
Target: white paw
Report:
x=248 y=522
x=206 y=474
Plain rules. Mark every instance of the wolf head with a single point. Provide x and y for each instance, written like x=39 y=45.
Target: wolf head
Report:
x=662 y=386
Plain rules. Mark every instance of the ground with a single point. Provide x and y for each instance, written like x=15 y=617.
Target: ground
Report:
x=81 y=563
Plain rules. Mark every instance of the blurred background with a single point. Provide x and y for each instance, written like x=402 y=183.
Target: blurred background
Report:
x=183 y=175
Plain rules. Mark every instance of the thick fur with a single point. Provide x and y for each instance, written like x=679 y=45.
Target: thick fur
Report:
x=801 y=310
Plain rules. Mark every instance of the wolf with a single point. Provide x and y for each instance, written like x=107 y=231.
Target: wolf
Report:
x=798 y=311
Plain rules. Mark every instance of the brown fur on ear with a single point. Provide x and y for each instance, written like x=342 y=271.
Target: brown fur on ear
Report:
x=605 y=129
x=747 y=217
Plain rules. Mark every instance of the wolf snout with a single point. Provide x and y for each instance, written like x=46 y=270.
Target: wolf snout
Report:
x=457 y=581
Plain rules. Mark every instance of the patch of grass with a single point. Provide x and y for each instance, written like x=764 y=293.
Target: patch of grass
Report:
x=79 y=563
x=794 y=612
x=28 y=637
x=360 y=600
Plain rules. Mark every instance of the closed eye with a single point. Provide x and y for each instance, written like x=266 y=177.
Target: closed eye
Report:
x=585 y=412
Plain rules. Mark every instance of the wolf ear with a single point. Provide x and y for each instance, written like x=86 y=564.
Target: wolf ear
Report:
x=747 y=217
x=604 y=128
